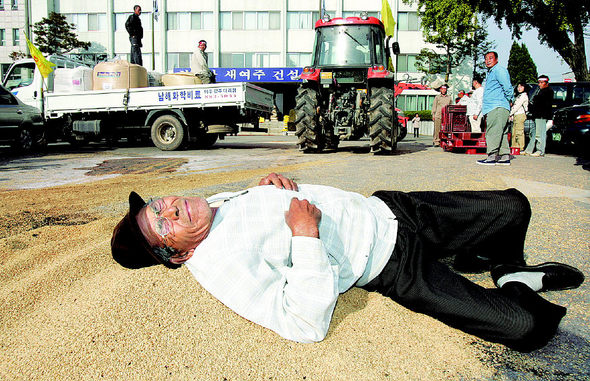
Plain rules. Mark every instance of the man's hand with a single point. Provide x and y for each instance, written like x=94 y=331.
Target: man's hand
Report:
x=278 y=181
x=474 y=116
x=303 y=218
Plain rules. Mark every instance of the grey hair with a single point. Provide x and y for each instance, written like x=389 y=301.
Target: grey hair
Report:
x=165 y=253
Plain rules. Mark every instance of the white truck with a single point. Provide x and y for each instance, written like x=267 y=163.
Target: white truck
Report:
x=173 y=116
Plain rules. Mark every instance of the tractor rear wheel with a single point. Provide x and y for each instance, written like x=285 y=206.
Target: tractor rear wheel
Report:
x=307 y=127
x=383 y=129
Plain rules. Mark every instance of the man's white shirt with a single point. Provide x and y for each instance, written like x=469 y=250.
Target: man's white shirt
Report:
x=475 y=102
x=251 y=262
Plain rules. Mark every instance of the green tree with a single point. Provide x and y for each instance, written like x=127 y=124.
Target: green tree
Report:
x=452 y=27
x=521 y=66
x=478 y=45
x=55 y=35
x=17 y=55
x=430 y=62
x=560 y=24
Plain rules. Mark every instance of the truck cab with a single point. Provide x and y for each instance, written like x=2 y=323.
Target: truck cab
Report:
x=24 y=80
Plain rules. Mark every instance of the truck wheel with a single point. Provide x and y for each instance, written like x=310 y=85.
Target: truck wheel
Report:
x=24 y=140
x=40 y=141
x=383 y=129
x=307 y=128
x=206 y=140
x=167 y=133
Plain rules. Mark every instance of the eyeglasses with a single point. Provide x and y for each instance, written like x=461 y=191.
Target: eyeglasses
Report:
x=162 y=225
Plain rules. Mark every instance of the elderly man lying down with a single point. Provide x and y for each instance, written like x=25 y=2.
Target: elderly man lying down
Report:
x=279 y=255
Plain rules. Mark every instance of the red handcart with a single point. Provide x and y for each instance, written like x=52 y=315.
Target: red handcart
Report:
x=455 y=132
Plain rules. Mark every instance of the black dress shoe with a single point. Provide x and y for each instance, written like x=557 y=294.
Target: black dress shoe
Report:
x=558 y=276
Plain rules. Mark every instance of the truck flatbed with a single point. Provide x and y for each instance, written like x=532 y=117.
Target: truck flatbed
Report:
x=241 y=95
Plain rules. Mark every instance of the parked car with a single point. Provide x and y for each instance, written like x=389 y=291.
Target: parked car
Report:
x=565 y=94
x=21 y=125
x=571 y=127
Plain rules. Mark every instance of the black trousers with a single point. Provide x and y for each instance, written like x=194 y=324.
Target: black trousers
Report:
x=136 y=57
x=485 y=226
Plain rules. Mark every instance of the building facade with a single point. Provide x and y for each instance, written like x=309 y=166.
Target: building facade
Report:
x=240 y=34
x=12 y=23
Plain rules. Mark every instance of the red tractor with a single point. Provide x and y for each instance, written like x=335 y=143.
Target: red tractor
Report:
x=348 y=91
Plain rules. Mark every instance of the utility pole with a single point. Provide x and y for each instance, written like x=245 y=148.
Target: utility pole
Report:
x=28 y=23
x=155 y=12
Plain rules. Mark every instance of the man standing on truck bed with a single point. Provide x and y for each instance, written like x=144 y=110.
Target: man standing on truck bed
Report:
x=135 y=30
x=199 y=65
x=497 y=95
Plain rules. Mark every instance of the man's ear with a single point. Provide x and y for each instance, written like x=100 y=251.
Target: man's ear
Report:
x=178 y=260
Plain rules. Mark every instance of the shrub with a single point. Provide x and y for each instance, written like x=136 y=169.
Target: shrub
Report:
x=424 y=114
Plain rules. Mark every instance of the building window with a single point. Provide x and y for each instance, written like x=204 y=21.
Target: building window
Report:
x=408 y=21
x=250 y=60
x=2 y=37
x=88 y=22
x=201 y=20
x=1 y=5
x=302 y=20
x=146 y=20
x=179 y=20
x=15 y=37
x=414 y=102
x=14 y=5
x=406 y=63
x=274 y=20
x=250 y=20
x=190 y=20
x=298 y=59
x=97 y=22
x=120 y=19
x=179 y=60
x=358 y=14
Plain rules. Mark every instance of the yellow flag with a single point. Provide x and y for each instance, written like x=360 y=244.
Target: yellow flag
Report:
x=45 y=67
x=387 y=18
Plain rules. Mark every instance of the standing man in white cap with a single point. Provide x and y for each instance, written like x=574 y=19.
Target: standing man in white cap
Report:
x=541 y=108
x=441 y=100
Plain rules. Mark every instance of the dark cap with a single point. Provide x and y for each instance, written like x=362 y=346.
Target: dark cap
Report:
x=128 y=245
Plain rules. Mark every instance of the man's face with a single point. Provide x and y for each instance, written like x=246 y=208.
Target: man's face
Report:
x=443 y=90
x=202 y=46
x=180 y=222
x=490 y=60
x=138 y=11
x=543 y=84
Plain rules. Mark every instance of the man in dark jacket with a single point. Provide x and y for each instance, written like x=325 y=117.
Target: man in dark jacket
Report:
x=135 y=30
x=542 y=111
